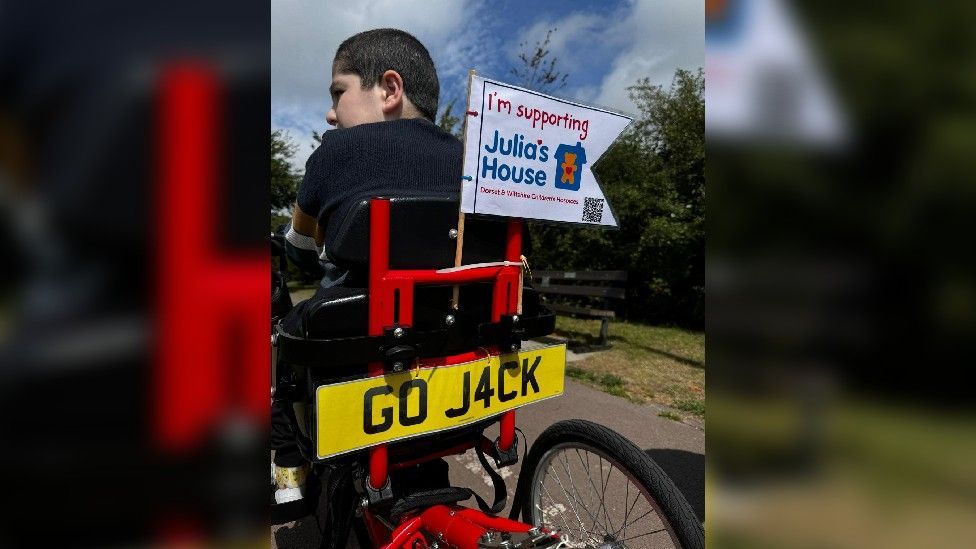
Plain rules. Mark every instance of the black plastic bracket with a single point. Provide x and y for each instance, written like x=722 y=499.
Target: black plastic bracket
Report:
x=399 y=346
x=505 y=458
x=286 y=386
x=378 y=496
x=509 y=333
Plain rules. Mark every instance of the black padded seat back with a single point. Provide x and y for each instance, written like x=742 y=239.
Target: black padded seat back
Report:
x=419 y=235
x=344 y=312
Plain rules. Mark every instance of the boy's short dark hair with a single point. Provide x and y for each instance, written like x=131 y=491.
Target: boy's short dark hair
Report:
x=371 y=53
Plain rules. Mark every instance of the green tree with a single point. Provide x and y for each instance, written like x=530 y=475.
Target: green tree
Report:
x=284 y=177
x=317 y=138
x=654 y=178
x=450 y=123
x=671 y=129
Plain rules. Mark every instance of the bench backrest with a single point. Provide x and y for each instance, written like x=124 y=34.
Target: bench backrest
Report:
x=581 y=283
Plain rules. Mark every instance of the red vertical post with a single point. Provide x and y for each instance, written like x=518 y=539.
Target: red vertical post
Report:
x=513 y=252
x=506 y=295
x=380 y=313
x=513 y=245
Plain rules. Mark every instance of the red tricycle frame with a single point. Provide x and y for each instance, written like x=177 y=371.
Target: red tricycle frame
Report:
x=391 y=300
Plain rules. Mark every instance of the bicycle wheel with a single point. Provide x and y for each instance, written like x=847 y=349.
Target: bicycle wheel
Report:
x=602 y=491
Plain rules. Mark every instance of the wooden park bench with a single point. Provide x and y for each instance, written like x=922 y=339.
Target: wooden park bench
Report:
x=583 y=289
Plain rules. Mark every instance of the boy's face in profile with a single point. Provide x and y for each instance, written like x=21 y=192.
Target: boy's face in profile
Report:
x=351 y=104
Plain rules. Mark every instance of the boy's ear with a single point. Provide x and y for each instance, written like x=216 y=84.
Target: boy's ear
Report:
x=391 y=84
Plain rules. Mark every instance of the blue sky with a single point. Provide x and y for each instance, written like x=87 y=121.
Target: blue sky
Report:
x=603 y=46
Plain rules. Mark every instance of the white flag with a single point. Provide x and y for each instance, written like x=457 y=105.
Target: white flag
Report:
x=531 y=155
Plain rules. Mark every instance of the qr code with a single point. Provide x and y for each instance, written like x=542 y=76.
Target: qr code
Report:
x=593 y=210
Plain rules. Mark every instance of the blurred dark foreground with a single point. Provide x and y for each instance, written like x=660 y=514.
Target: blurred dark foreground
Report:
x=133 y=305
x=841 y=278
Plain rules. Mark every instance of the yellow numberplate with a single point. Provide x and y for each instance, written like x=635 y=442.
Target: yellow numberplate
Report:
x=365 y=412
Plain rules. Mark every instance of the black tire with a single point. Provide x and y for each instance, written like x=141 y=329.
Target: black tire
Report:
x=578 y=439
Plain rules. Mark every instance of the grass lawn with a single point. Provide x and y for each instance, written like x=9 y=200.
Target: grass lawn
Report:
x=644 y=364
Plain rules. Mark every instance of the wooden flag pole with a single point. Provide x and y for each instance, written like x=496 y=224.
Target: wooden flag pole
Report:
x=521 y=282
x=460 y=224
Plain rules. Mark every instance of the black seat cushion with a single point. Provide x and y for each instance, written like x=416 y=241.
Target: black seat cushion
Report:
x=336 y=312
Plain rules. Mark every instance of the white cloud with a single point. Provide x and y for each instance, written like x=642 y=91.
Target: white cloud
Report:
x=643 y=38
x=586 y=94
x=663 y=35
x=572 y=32
x=306 y=33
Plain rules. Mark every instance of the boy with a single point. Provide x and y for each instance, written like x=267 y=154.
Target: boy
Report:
x=384 y=99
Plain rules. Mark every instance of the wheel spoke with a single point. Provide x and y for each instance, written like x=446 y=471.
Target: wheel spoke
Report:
x=589 y=476
x=594 y=518
x=568 y=497
x=651 y=510
x=576 y=495
x=627 y=514
x=569 y=528
x=603 y=493
x=603 y=488
x=565 y=521
x=641 y=535
x=606 y=510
